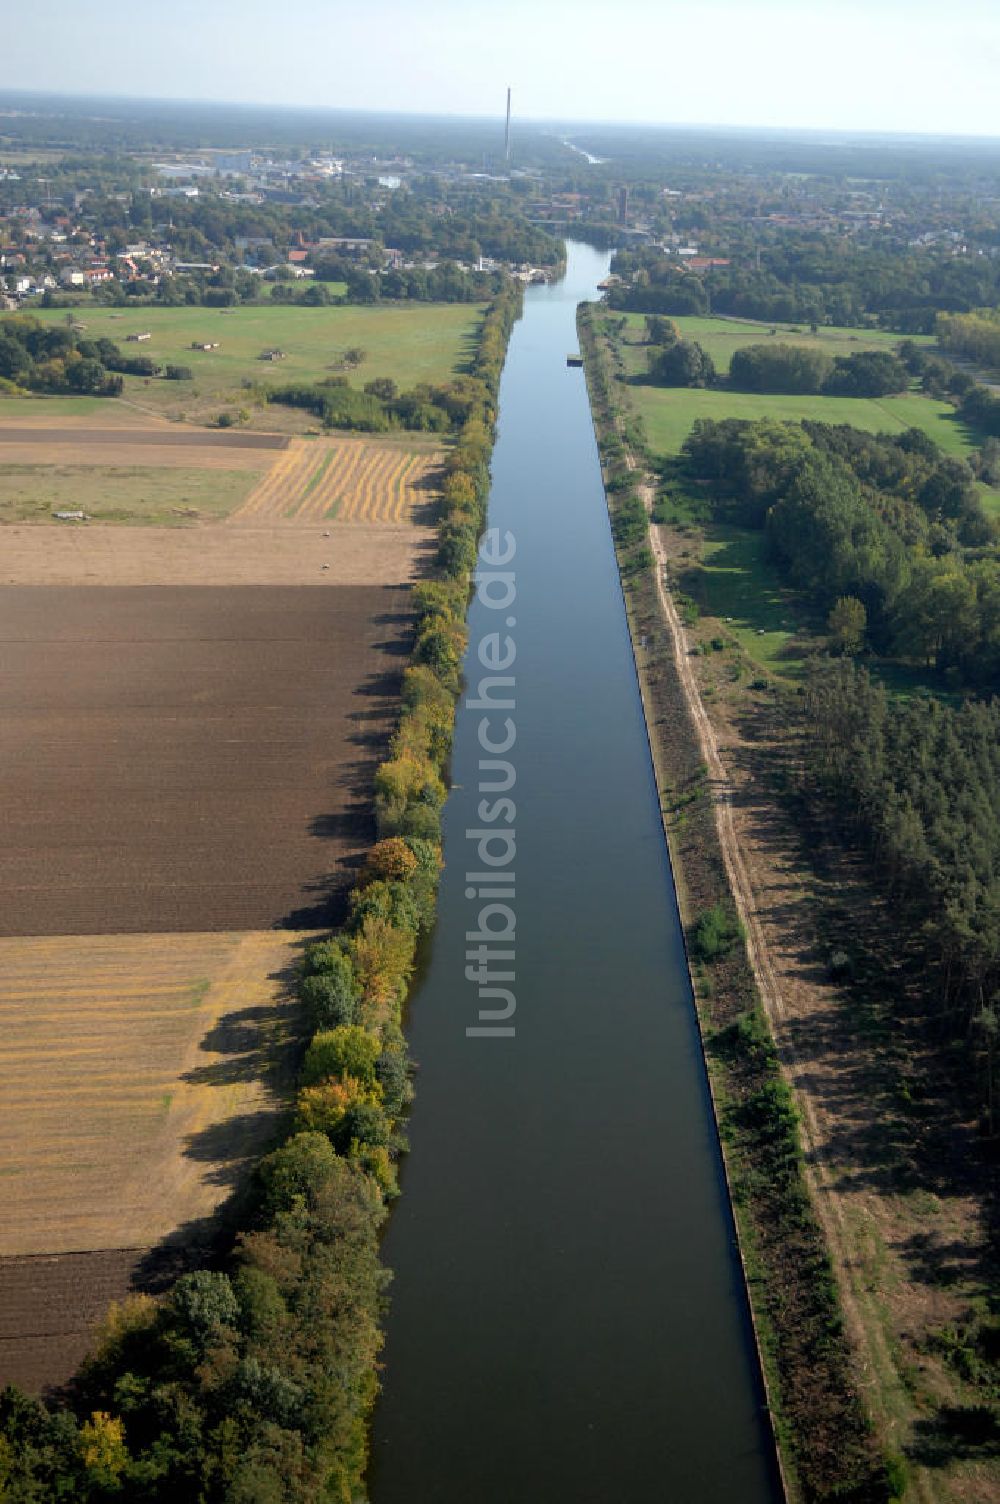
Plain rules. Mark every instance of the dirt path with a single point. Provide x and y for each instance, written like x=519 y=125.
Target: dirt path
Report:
x=880 y=1378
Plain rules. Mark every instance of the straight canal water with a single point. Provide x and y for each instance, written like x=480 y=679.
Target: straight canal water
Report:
x=568 y=1321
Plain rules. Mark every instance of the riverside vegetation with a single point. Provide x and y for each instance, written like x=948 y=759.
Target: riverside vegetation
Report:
x=252 y=1382
x=825 y=1439
x=870 y=731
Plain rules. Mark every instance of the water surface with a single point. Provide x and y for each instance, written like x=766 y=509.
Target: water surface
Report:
x=568 y=1320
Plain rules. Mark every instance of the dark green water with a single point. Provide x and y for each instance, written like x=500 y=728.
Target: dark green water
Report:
x=568 y=1321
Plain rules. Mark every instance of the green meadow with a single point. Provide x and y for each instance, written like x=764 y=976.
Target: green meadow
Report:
x=669 y=412
x=734 y=580
x=722 y=337
x=410 y=343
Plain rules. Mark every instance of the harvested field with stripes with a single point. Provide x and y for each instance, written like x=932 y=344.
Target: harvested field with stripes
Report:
x=141 y=1075
x=138 y=1075
x=343 y=480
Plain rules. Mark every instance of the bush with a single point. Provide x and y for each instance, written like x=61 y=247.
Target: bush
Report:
x=389 y=861
x=441 y=646
x=715 y=933
x=344 y=1051
x=330 y=997
x=391 y=901
x=178 y=373
x=457 y=550
x=299 y=1170
x=869 y=373
x=630 y=523
x=323 y=956
x=683 y=363
x=326 y=1107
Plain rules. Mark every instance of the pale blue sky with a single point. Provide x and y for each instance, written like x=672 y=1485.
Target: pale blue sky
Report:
x=909 y=65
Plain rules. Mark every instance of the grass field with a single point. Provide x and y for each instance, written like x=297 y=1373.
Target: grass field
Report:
x=167 y=497
x=172 y=476
x=737 y=583
x=409 y=343
x=723 y=337
x=669 y=412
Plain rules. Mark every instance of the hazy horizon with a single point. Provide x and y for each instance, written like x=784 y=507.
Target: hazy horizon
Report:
x=554 y=124
x=899 y=67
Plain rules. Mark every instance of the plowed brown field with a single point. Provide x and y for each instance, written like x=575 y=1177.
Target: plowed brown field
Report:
x=189 y=758
x=50 y=1305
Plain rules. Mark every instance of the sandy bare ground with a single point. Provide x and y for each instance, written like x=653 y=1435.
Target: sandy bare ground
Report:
x=140 y=1075
x=345 y=554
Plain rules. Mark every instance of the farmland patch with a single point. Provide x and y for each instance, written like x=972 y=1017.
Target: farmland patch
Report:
x=141 y=1075
x=350 y=480
x=190 y=758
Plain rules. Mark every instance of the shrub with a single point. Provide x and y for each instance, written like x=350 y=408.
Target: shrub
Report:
x=203 y=1303
x=630 y=522
x=442 y=597
x=457 y=549
x=323 y=956
x=683 y=363
x=330 y=997
x=344 y=1051
x=393 y=1076
x=420 y=822
x=779 y=368
x=299 y=1170
x=325 y=1107
x=365 y=1122
x=406 y=778
x=390 y=861
x=715 y=933
x=425 y=733
x=383 y=959
x=421 y=686
x=441 y=645
x=391 y=901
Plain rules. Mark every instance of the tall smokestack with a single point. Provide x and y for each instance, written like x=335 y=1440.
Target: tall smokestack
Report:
x=506 y=139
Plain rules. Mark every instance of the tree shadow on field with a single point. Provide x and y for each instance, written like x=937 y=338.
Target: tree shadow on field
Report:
x=232 y=1146
x=256 y=1044
x=245 y=1039
x=348 y=826
x=957 y=1432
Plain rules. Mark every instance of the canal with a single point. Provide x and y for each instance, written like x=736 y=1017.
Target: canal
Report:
x=568 y=1321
